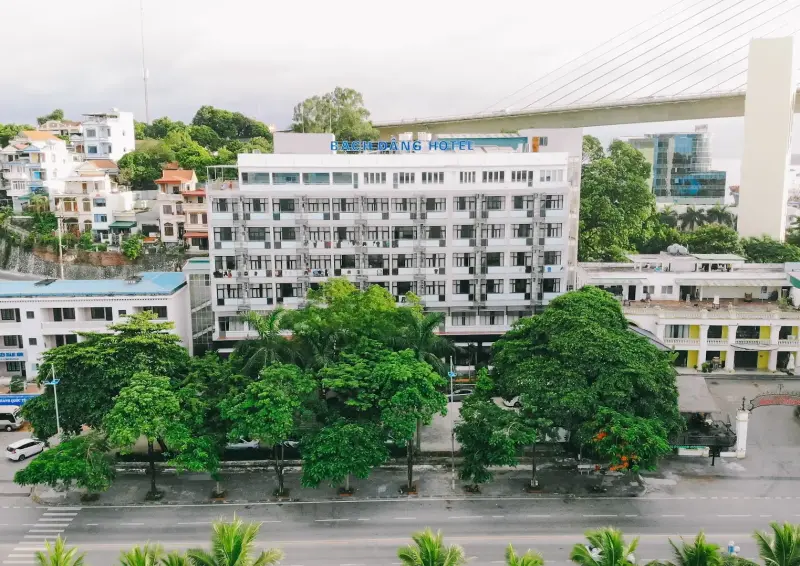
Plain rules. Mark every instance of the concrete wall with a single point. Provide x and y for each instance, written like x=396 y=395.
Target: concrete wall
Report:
x=290 y=142
x=769 y=110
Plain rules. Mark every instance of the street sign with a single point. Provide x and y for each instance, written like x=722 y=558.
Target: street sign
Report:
x=6 y=400
x=451 y=374
x=11 y=355
x=53 y=381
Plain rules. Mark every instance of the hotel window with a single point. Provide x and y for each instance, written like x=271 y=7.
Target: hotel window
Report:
x=404 y=205
x=318 y=205
x=96 y=202
x=493 y=318
x=257 y=234
x=223 y=263
x=376 y=205
x=551 y=175
x=435 y=204
x=495 y=203
x=285 y=234
x=91 y=133
x=255 y=205
x=318 y=234
x=229 y=291
x=466 y=177
x=464 y=231
x=7 y=314
x=100 y=218
x=521 y=230
x=316 y=178
x=463 y=260
x=405 y=178
x=436 y=177
x=259 y=262
x=101 y=313
x=554 y=230
x=434 y=288
x=435 y=232
x=260 y=291
x=493 y=286
x=193 y=218
x=342 y=178
x=677 y=331
x=221 y=205
x=435 y=260
x=91 y=150
x=666 y=290
x=462 y=319
x=159 y=311
x=521 y=176
x=10 y=341
x=554 y=202
x=493 y=231
x=494 y=176
x=551 y=285
x=286 y=178
x=552 y=258
x=344 y=205
x=320 y=262
x=520 y=286
x=287 y=261
x=284 y=205
x=494 y=259
x=404 y=232
x=374 y=178
x=221 y=233
x=648 y=289
x=464 y=203
x=378 y=234
x=252 y=178
x=13 y=366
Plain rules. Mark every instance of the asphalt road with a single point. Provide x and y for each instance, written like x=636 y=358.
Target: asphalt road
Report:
x=350 y=533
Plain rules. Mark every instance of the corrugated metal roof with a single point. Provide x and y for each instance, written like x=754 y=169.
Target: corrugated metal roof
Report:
x=151 y=283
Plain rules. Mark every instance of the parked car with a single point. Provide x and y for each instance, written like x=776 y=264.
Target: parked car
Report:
x=243 y=444
x=512 y=403
x=460 y=394
x=24 y=448
x=10 y=418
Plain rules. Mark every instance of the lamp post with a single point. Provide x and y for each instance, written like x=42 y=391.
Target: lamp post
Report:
x=451 y=374
x=54 y=382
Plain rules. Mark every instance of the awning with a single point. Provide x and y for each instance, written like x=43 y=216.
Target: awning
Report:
x=694 y=396
x=195 y=235
x=197 y=193
x=777 y=282
x=795 y=279
x=122 y=224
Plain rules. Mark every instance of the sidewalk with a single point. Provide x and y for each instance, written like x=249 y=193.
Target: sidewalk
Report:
x=432 y=482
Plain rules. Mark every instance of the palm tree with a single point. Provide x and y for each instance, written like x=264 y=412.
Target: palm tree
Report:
x=175 y=559
x=668 y=216
x=720 y=215
x=782 y=548
x=697 y=553
x=270 y=346
x=39 y=203
x=692 y=218
x=417 y=334
x=59 y=555
x=606 y=548
x=232 y=544
x=429 y=550
x=147 y=555
x=530 y=558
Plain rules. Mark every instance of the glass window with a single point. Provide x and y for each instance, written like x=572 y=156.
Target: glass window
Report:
x=100 y=218
x=286 y=178
x=342 y=178
x=252 y=178
x=466 y=177
x=160 y=311
x=495 y=203
x=554 y=230
x=554 y=202
x=316 y=178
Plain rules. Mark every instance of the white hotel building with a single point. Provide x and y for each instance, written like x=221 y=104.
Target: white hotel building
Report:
x=709 y=307
x=485 y=238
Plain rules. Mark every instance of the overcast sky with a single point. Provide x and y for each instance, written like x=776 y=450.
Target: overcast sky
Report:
x=411 y=58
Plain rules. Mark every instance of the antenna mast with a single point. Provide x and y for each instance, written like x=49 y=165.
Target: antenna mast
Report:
x=144 y=67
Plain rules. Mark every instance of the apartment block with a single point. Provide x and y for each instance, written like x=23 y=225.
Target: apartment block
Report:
x=484 y=238
x=183 y=209
x=108 y=135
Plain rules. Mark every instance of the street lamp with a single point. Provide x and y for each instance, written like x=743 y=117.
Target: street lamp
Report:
x=54 y=382
x=451 y=374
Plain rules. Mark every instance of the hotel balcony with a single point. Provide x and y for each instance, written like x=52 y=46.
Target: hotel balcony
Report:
x=729 y=309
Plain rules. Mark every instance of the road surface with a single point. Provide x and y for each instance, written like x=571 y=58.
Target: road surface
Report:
x=350 y=533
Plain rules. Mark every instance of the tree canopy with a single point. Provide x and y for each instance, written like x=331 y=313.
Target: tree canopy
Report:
x=9 y=131
x=341 y=112
x=57 y=114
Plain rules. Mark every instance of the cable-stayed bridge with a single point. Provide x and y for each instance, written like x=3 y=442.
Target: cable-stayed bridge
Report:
x=688 y=62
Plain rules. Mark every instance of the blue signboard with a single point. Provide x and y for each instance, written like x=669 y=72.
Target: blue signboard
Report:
x=411 y=145
x=15 y=399
x=12 y=355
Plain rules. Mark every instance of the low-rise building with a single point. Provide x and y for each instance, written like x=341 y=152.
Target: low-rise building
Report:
x=33 y=162
x=183 y=210
x=68 y=130
x=709 y=307
x=108 y=135
x=38 y=315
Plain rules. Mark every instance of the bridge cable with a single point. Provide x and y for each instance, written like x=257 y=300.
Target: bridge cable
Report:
x=570 y=62
x=720 y=71
x=697 y=58
x=637 y=57
x=743 y=86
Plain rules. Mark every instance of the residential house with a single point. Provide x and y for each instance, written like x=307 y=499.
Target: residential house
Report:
x=108 y=135
x=183 y=209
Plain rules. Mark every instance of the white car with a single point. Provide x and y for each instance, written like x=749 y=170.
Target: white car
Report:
x=512 y=403
x=24 y=448
x=243 y=444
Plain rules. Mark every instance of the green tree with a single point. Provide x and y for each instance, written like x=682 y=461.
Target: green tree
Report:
x=10 y=131
x=692 y=218
x=176 y=559
x=616 y=202
x=251 y=356
x=146 y=407
x=58 y=554
x=146 y=555
x=714 y=239
x=82 y=461
x=592 y=149
x=206 y=137
x=133 y=246
x=659 y=238
x=340 y=112
x=720 y=214
x=530 y=558
x=161 y=127
x=793 y=233
x=668 y=216
x=428 y=549
x=233 y=544
x=94 y=370
x=140 y=168
x=696 y=553
x=86 y=241
x=418 y=334
x=782 y=547
x=767 y=250
x=269 y=410
x=230 y=125
x=627 y=442
x=57 y=114
x=607 y=548
x=140 y=130
x=342 y=449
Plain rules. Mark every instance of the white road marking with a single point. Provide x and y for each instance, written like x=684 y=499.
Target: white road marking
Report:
x=60 y=514
x=537 y=516
x=606 y=516
x=467 y=517
x=46 y=531
x=498 y=516
x=96 y=524
x=631 y=516
x=673 y=516
x=364 y=519
x=56 y=519
x=64 y=508
x=405 y=518
x=190 y=523
x=18 y=562
x=765 y=516
x=733 y=516
x=130 y=524
x=329 y=520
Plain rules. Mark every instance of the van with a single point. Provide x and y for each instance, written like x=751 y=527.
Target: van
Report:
x=10 y=418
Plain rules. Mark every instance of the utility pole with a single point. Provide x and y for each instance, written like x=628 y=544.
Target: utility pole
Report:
x=451 y=374
x=59 y=221
x=54 y=382
x=144 y=67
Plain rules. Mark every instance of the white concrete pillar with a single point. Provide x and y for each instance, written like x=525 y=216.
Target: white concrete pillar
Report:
x=741 y=432
x=703 y=351
x=731 y=351
x=768 y=116
x=772 y=364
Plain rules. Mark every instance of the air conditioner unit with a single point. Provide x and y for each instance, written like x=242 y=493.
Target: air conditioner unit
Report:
x=220 y=302
x=483 y=297
x=529 y=241
x=441 y=298
x=337 y=272
x=384 y=216
x=471 y=297
x=484 y=214
x=441 y=271
x=349 y=272
x=484 y=270
x=541 y=241
x=269 y=301
x=423 y=215
x=385 y=272
x=471 y=270
x=528 y=269
x=395 y=271
x=413 y=216
x=527 y=296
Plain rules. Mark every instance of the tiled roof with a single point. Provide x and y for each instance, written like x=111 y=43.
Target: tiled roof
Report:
x=35 y=135
x=103 y=163
x=176 y=175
